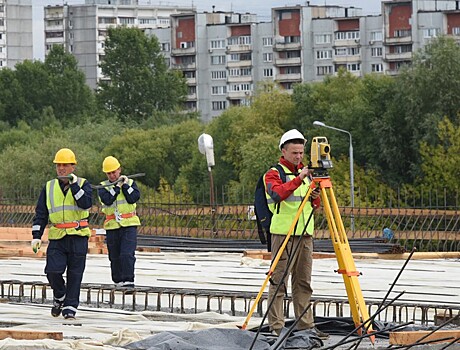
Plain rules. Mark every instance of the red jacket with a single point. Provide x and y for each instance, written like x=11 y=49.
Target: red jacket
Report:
x=278 y=190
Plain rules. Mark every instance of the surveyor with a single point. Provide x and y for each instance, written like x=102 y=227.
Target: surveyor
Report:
x=118 y=197
x=65 y=203
x=284 y=199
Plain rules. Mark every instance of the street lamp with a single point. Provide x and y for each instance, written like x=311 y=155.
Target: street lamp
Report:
x=352 y=184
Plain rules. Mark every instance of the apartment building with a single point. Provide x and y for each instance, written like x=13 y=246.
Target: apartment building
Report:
x=15 y=32
x=224 y=55
x=82 y=29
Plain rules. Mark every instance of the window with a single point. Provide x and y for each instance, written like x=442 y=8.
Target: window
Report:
x=323 y=55
x=219 y=75
x=291 y=39
x=219 y=105
x=189 y=74
x=268 y=72
x=107 y=20
x=376 y=52
x=147 y=21
x=323 y=70
x=347 y=51
x=353 y=67
x=401 y=33
x=347 y=35
x=376 y=36
x=431 y=32
x=217 y=44
x=2 y=8
x=267 y=41
x=239 y=40
x=401 y=49
x=218 y=59
x=377 y=67
x=268 y=57
x=456 y=31
x=53 y=35
x=323 y=38
x=219 y=90
x=2 y=22
x=165 y=47
x=341 y=51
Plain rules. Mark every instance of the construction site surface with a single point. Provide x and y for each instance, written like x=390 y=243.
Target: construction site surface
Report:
x=197 y=290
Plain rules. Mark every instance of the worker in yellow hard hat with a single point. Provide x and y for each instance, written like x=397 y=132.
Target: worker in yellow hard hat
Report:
x=65 y=203
x=118 y=196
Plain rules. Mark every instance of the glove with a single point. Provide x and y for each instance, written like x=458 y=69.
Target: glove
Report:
x=36 y=244
x=123 y=179
x=73 y=178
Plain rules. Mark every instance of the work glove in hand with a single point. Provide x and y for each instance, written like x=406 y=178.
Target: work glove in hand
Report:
x=73 y=178
x=36 y=244
x=123 y=179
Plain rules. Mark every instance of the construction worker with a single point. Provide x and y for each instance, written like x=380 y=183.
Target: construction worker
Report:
x=65 y=203
x=118 y=197
x=284 y=199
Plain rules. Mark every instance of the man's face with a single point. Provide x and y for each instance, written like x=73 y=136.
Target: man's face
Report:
x=64 y=169
x=293 y=153
x=114 y=175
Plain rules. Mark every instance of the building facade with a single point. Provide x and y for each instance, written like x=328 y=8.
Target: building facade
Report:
x=15 y=32
x=224 y=55
x=82 y=29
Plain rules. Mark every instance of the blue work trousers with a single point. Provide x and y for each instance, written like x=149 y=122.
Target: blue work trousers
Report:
x=121 y=244
x=68 y=253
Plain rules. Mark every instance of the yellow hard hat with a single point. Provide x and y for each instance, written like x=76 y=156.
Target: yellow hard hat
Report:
x=110 y=164
x=64 y=156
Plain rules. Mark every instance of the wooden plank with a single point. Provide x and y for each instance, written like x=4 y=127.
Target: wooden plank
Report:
x=406 y=338
x=29 y=334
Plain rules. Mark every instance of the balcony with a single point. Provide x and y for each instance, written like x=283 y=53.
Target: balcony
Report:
x=292 y=77
x=183 y=51
x=191 y=97
x=282 y=46
x=240 y=79
x=238 y=94
x=295 y=61
x=347 y=59
x=348 y=42
x=239 y=48
x=398 y=40
x=185 y=66
x=239 y=64
x=404 y=56
x=191 y=81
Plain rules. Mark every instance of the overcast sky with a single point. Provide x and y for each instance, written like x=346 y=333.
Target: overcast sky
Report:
x=260 y=7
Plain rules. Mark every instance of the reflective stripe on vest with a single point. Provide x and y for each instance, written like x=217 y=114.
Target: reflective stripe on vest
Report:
x=63 y=209
x=122 y=207
x=284 y=215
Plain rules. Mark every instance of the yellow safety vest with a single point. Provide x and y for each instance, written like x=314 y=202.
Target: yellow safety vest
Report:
x=63 y=209
x=285 y=211
x=120 y=213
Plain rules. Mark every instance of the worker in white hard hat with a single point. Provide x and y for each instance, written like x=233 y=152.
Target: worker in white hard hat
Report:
x=118 y=197
x=65 y=203
x=284 y=199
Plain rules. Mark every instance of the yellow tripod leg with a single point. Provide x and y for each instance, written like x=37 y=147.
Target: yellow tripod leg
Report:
x=344 y=257
x=278 y=256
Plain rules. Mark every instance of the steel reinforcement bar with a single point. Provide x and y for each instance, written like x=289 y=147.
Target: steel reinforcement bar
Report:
x=178 y=300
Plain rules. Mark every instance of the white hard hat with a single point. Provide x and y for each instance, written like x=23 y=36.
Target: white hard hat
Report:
x=292 y=134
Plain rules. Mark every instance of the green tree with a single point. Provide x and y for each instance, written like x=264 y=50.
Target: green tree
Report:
x=140 y=83
x=68 y=94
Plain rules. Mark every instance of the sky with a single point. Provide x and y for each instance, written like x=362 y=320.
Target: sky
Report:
x=260 y=7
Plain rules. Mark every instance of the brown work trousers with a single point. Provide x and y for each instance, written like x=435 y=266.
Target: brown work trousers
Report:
x=300 y=268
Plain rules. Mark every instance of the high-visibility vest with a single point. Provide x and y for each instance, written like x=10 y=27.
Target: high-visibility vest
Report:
x=126 y=212
x=63 y=209
x=285 y=211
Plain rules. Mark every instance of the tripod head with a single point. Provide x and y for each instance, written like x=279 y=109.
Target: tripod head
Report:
x=320 y=158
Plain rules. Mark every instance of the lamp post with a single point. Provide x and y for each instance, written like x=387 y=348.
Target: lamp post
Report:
x=352 y=184
x=206 y=147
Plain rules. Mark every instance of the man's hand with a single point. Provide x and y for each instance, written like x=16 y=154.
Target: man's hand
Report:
x=305 y=172
x=315 y=193
x=36 y=244
x=73 y=178
x=123 y=179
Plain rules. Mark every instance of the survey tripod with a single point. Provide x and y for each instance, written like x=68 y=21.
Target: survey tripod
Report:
x=347 y=268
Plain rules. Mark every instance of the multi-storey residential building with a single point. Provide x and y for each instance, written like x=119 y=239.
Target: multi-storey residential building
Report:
x=223 y=55
x=15 y=32
x=82 y=29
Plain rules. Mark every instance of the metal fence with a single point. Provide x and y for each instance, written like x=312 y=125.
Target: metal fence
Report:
x=429 y=222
